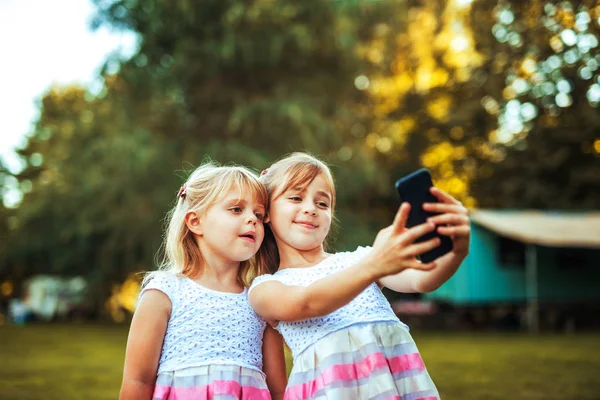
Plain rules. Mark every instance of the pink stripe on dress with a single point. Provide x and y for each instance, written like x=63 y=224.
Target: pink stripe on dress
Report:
x=355 y=371
x=206 y=392
x=418 y=398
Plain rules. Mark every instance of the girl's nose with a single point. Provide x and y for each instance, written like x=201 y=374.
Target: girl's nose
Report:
x=310 y=210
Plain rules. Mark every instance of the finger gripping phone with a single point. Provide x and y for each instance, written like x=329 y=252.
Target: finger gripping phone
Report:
x=414 y=189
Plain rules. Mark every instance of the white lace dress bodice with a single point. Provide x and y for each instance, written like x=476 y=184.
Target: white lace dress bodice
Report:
x=369 y=306
x=207 y=326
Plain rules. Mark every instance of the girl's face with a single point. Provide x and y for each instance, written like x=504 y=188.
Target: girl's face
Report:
x=300 y=218
x=232 y=229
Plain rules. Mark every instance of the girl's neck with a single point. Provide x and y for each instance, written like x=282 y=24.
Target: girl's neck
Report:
x=218 y=275
x=293 y=258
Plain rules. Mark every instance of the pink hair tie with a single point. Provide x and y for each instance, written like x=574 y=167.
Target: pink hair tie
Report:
x=264 y=171
x=182 y=192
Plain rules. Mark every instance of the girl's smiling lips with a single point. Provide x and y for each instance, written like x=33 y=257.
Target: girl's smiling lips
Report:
x=305 y=224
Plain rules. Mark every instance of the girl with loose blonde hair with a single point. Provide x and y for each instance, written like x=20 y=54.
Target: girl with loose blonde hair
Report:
x=194 y=334
x=205 y=187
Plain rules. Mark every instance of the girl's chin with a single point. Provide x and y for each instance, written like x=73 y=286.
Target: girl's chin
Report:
x=307 y=246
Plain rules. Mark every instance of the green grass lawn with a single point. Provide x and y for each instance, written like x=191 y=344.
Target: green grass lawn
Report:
x=71 y=362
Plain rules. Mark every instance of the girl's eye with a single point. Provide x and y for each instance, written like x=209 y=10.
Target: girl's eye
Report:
x=259 y=216
x=295 y=198
x=321 y=204
x=236 y=209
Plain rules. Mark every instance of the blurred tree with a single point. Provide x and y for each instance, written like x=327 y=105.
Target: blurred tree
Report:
x=496 y=99
x=236 y=81
x=93 y=207
x=424 y=78
x=546 y=61
x=252 y=81
x=5 y=217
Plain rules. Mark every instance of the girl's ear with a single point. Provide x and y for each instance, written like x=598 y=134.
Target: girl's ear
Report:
x=193 y=222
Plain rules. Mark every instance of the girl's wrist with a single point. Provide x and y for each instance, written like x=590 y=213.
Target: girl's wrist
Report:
x=370 y=266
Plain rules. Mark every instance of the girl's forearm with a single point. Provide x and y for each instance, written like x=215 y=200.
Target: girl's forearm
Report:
x=336 y=290
x=436 y=277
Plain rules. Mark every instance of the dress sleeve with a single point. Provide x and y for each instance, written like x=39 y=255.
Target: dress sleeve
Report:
x=263 y=278
x=166 y=283
x=361 y=252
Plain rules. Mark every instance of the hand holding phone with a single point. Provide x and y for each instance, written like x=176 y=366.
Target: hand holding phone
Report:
x=415 y=190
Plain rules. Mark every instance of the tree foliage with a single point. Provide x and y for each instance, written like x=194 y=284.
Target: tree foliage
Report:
x=471 y=90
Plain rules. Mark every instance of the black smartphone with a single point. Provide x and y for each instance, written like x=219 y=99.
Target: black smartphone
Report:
x=414 y=189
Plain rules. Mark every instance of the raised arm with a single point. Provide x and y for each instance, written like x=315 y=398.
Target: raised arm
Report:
x=392 y=251
x=144 y=345
x=452 y=221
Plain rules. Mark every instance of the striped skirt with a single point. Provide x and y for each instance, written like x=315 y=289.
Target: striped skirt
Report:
x=218 y=382
x=366 y=361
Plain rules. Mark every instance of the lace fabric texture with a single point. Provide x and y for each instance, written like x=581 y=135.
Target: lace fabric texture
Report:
x=207 y=326
x=369 y=306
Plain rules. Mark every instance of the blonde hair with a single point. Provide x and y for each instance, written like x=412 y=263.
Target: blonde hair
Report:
x=205 y=186
x=295 y=170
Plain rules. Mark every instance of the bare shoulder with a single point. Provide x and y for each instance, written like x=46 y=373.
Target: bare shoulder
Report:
x=154 y=301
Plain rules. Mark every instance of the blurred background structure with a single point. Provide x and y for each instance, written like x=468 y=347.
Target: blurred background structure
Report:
x=498 y=98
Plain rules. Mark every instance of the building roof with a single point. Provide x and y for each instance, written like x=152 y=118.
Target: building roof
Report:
x=546 y=228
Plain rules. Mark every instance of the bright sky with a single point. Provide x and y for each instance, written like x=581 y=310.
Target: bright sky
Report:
x=45 y=42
